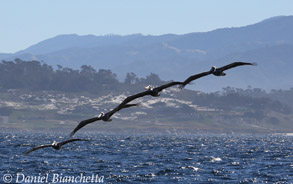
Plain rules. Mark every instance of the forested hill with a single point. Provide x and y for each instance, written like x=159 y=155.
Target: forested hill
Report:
x=35 y=96
x=37 y=76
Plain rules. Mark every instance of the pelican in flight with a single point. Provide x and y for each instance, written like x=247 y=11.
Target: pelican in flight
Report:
x=106 y=117
x=102 y=116
x=220 y=71
x=55 y=145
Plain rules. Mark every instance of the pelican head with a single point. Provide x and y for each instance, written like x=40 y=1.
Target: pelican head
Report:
x=213 y=69
x=54 y=143
x=101 y=114
x=149 y=87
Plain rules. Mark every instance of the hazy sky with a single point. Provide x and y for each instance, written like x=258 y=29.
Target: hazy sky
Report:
x=27 y=22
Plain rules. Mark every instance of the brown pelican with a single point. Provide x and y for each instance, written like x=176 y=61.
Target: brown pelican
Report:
x=102 y=116
x=194 y=77
x=55 y=145
x=220 y=71
x=106 y=117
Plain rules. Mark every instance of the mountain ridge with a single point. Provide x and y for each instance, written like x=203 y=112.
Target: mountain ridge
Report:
x=175 y=56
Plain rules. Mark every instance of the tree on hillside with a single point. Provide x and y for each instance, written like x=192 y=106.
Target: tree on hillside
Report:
x=131 y=78
x=152 y=79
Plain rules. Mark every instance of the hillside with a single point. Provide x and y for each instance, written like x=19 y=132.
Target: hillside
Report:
x=35 y=97
x=182 y=111
x=268 y=43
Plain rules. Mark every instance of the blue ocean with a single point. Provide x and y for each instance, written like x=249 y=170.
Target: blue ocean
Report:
x=147 y=158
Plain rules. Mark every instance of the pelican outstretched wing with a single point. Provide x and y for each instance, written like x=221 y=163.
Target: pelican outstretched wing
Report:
x=83 y=123
x=109 y=114
x=235 y=64
x=160 y=88
x=194 y=77
x=124 y=104
x=71 y=140
x=132 y=97
x=38 y=147
x=139 y=95
x=131 y=105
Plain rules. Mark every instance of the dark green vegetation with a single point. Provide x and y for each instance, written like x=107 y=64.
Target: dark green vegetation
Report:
x=35 y=76
x=36 y=97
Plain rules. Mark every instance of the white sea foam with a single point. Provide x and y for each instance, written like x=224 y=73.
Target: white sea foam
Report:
x=215 y=159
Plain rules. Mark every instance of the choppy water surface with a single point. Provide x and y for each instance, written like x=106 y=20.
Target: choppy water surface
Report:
x=151 y=158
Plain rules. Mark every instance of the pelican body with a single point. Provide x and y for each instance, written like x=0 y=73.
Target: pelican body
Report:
x=54 y=145
x=220 y=71
x=102 y=116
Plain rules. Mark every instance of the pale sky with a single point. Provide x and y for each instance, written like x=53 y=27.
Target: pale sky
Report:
x=27 y=22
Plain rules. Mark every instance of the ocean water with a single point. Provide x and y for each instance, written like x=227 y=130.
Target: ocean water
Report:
x=148 y=159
